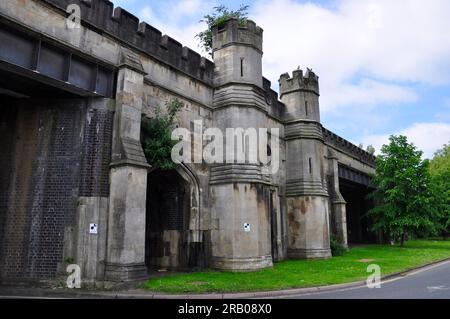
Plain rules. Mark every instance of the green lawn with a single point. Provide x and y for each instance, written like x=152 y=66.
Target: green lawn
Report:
x=301 y=273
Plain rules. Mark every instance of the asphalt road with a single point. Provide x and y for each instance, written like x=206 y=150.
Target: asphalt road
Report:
x=430 y=283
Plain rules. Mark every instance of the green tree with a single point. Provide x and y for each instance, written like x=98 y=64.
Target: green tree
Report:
x=403 y=194
x=440 y=177
x=219 y=16
x=440 y=164
x=157 y=135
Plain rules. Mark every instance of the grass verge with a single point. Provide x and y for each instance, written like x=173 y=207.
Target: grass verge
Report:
x=307 y=273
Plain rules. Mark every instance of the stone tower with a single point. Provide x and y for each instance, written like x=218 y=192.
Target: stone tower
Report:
x=306 y=187
x=240 y=214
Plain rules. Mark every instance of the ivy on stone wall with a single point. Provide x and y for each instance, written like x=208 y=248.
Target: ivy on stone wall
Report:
x=156 y=135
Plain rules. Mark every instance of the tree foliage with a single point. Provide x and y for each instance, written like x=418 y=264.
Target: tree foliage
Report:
x=157 y=135
x=219 y=16
x=404 y=195
x=440 y=177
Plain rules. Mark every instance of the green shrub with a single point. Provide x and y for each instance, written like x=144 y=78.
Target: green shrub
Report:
x=157 y=135
x=336 y=248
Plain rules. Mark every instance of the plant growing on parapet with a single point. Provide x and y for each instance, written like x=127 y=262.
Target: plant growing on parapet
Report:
x=370 y=149
x=440 y=181
x=219 y=16
x=157 y=135
x=403 y=192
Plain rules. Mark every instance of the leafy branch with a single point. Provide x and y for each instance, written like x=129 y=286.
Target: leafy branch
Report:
x=157 y=135
x=218 y=17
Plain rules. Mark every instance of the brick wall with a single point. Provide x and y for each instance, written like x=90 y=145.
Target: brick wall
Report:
x=7 y=123
x=61 y=151
x=96 y=154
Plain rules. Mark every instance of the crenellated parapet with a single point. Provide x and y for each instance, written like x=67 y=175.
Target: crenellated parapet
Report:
x=232 y=32
x=276 y=108
x=299 y=82
x=300 y=94
x=119 y=23
x=349 y=148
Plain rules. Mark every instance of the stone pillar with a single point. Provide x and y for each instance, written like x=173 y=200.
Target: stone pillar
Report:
x=338 y=203
x=307 y=200
x=241 y=228
x=128 y=177
x=239 y=193
x=306 y=186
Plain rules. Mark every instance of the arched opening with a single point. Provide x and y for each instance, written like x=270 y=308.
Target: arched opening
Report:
x=173 y=241
x=358 y=223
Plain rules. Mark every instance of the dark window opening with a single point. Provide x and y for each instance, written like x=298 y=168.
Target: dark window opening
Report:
x=310 y=165
x=242 y=67
x=306 y=108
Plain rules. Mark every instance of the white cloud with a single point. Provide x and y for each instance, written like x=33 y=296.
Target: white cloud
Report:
x=174 y=24
x=187 y=7
x=393 y=42
x=367 y=93
x=428 y=137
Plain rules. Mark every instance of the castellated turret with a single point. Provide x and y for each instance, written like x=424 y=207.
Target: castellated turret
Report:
x=300 y=94
x=238 y=189
x=305 y=179
x=237 y=53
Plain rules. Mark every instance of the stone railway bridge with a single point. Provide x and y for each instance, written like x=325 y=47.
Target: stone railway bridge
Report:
x=71 y=101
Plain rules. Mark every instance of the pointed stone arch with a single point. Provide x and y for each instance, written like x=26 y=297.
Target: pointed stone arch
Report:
x=195 y=201
x=173 y=234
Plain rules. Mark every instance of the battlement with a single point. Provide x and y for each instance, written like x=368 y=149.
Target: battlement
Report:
x=119 y=23
x=348 y=147
x=231 y=32
x=299 y=82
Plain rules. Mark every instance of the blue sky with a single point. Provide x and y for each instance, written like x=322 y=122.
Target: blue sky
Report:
x=384 y=65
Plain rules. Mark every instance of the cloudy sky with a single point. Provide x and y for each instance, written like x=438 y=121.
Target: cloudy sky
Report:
x=384 y=65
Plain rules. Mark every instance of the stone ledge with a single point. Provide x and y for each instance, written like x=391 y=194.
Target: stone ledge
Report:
x=308 y=253
x=245 y=264
x=125 y=272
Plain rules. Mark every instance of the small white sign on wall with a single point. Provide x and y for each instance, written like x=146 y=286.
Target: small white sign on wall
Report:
x=93 y=229
x=247 y=227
